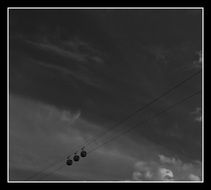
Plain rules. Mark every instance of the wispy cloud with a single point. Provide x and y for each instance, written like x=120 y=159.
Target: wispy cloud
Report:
x=159 y=52
x=193 y=177
x=56 y=49
x=80 y=53
x=198 y=63
x=195 y=64
x=197 y=114
x=165 y=159
x=71 y=58
x=182 y=58
x=63 y=115
x=85 y=76
x=74 y=49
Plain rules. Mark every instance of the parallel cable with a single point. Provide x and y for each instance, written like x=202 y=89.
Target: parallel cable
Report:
x=46 y=175
x=142 y=108
x=49 y=166
x=92 y=139
x=155 y=116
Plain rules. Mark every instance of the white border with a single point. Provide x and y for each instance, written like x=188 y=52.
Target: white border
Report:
x=202 y=95
x=125 y=8
x=113 y=8
x=8 y=95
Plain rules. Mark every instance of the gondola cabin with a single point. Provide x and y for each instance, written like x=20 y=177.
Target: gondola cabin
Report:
x=76 y=158
x=83 y=153
x=69 y=162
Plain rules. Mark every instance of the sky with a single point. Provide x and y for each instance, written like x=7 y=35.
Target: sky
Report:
x=73 y=74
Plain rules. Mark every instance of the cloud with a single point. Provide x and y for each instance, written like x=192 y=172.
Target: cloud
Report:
x=86 y=77
x=72 y=58
x=199 y=119
x=197 y=114
x=144 y=171
x=159 y=52
x=165 y=174
x=198 y=63
x=166 y=169
x=193 y=177
x=165 y=159
x=64 y=115
x=181 y=169
x=73 y=49
x=137 y=176
x=56 y=49
x=69 y=117
x=41 y=134
x=75 y=58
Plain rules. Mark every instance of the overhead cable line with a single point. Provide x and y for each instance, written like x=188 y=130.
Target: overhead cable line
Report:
x=134 y=127
x=165 y=93
x=92 y=139
x=155 y=116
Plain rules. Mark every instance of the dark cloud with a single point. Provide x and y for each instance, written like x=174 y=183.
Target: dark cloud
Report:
x=101 y=65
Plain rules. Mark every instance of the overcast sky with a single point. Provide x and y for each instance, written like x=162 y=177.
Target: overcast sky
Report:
x=75 y=73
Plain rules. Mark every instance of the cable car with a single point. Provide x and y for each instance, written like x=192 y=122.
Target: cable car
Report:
x=76 y=158
x=83 y=152
x=69 y=162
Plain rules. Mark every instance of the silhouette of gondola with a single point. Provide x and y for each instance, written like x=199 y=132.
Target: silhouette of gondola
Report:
x=83 y=152
x=76 y=158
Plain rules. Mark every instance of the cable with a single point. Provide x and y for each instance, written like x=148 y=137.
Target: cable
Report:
x=49 y=166
x=46 y=175
x=155 y=116
x=92 y=139
x=141 y=109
